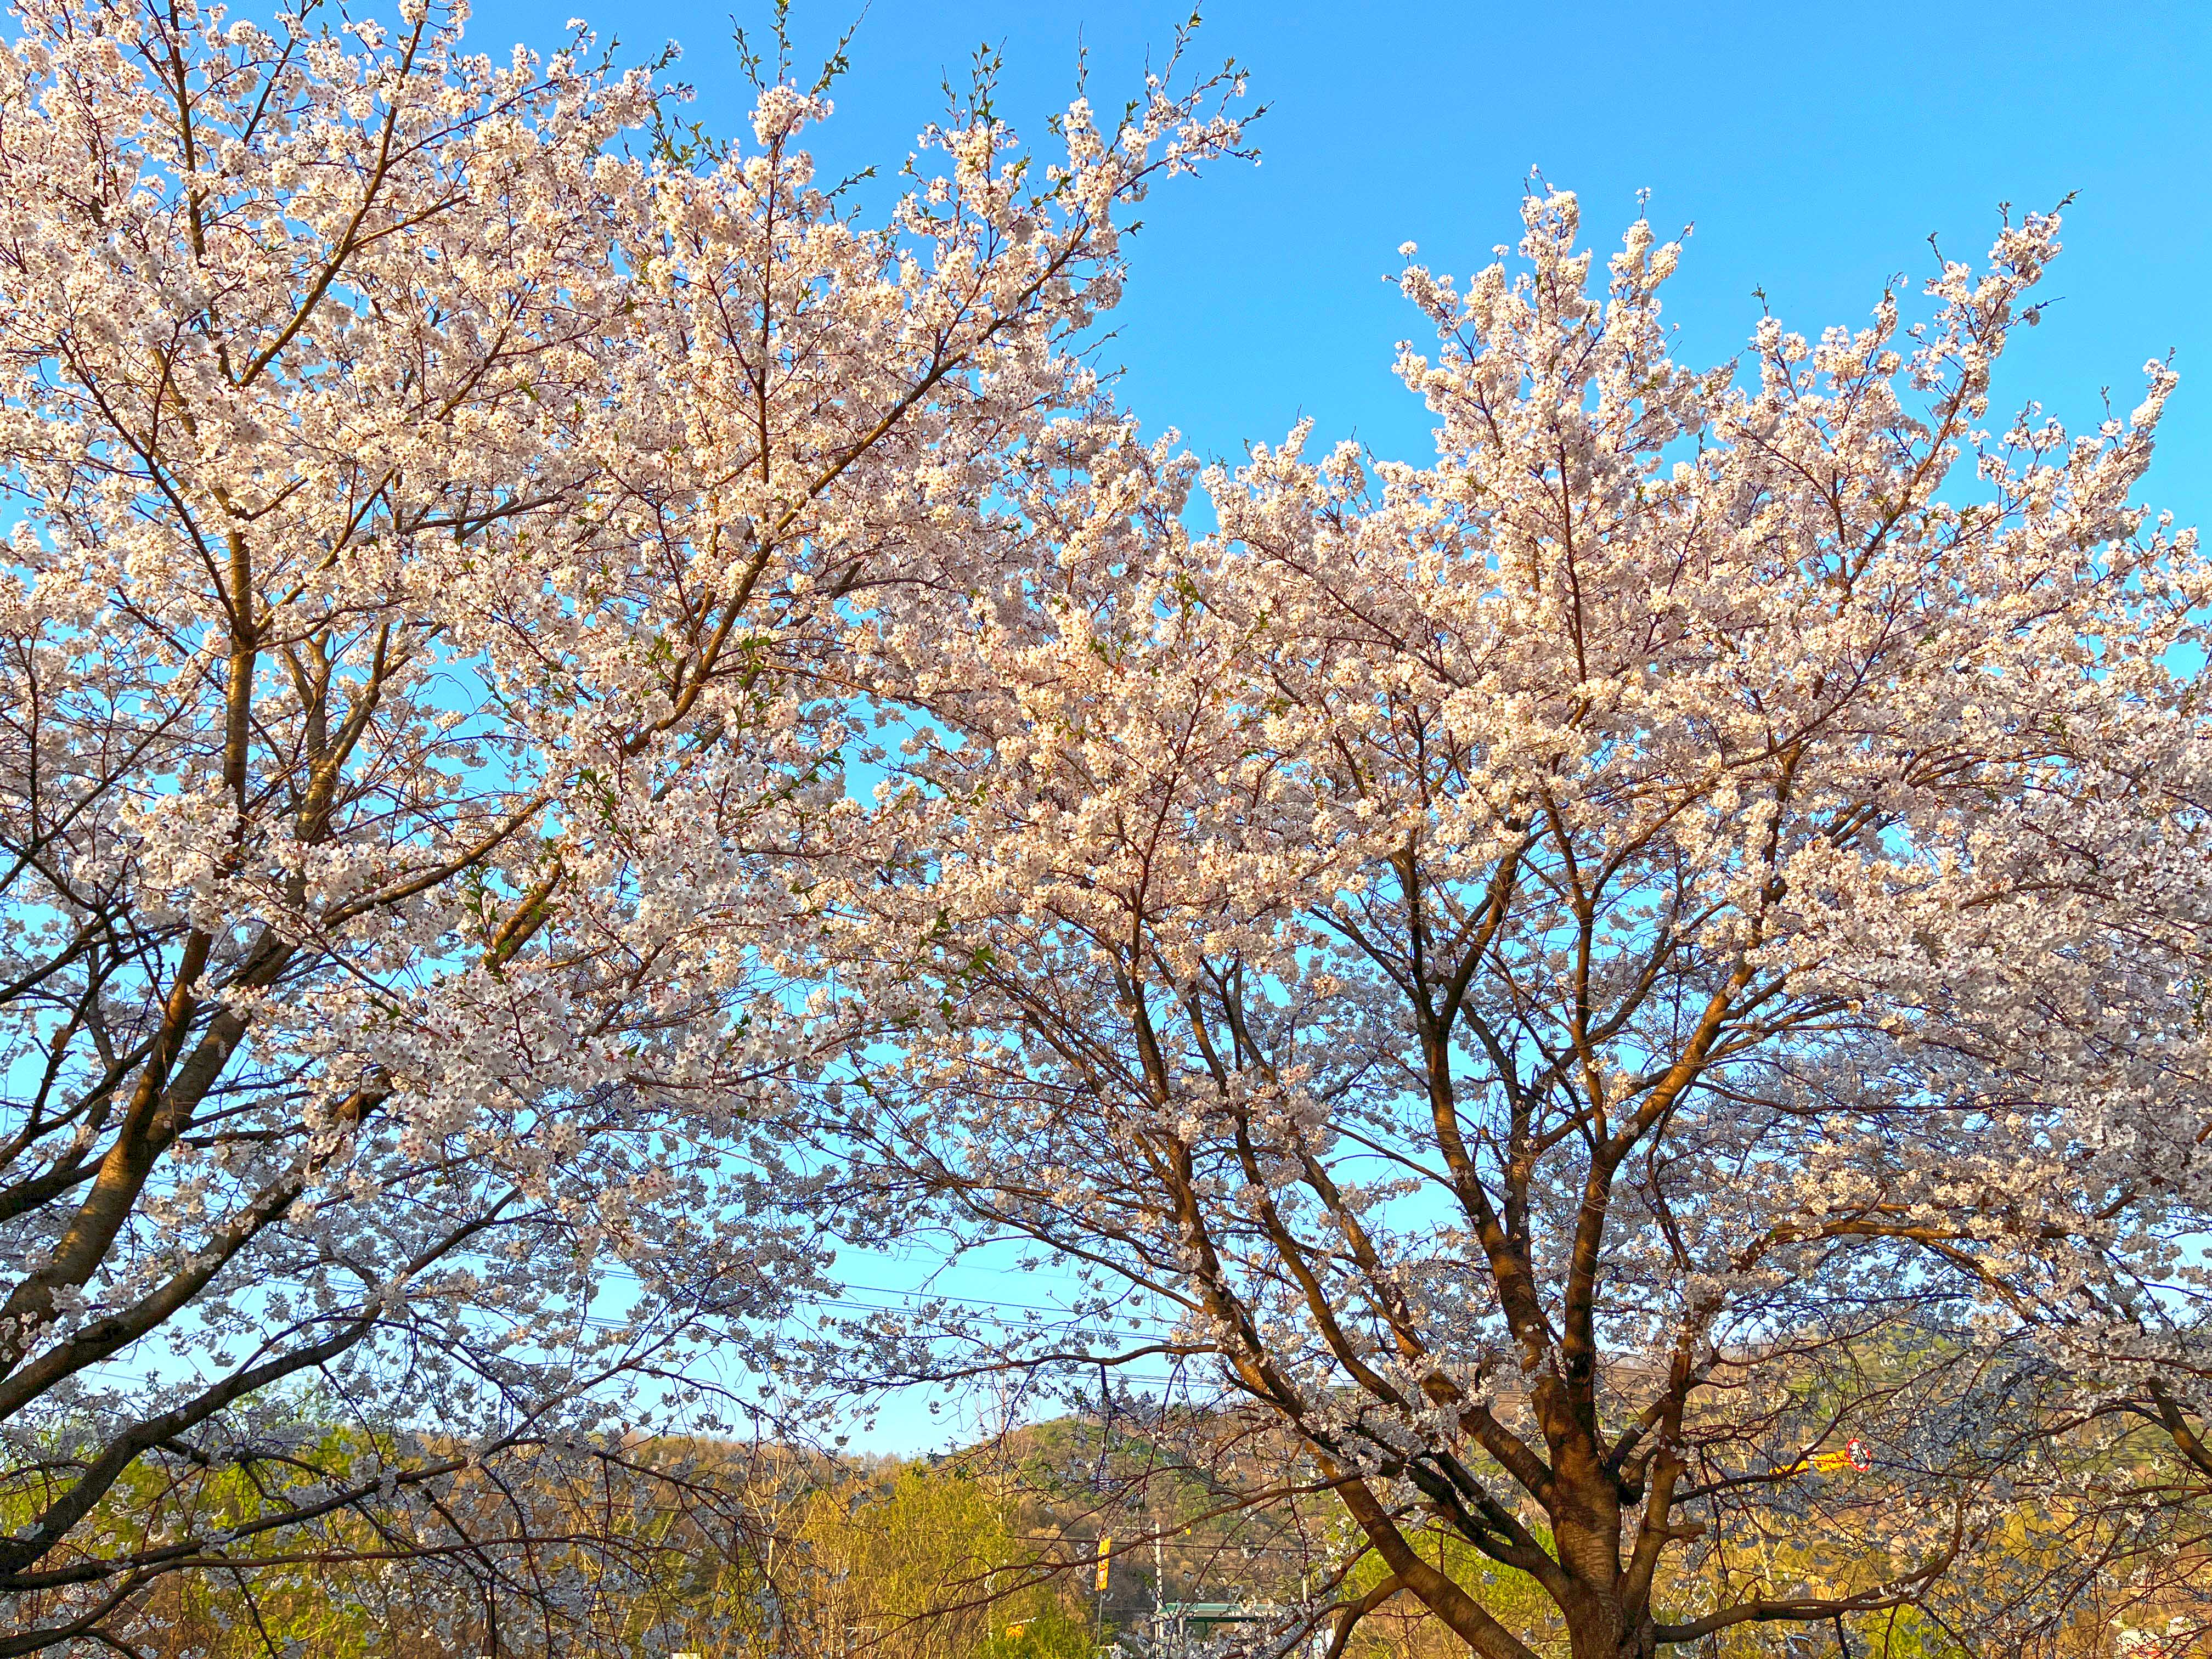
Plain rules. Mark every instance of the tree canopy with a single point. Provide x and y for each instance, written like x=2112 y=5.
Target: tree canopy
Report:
x=1614 y=1015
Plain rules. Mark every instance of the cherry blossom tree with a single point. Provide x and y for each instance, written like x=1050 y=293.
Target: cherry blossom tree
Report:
x=446 y=501
x=1609 y=985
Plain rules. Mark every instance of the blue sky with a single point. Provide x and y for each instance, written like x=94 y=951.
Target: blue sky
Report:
x=1814 y=147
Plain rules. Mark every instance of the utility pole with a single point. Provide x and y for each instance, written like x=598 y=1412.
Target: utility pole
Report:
x=1159 y=1588
x=1003 y=1389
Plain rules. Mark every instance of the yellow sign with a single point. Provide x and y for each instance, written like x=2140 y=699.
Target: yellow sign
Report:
x=1105 y=1549
x=1854 y=1457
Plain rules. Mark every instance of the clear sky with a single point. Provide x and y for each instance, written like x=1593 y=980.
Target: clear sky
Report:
x=1814 y=147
